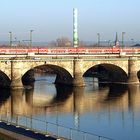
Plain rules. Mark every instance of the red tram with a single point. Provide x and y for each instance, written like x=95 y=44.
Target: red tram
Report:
x=96 y=50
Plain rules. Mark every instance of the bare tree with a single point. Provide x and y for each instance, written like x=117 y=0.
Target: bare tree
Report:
x=63 y=42
x=52 y=44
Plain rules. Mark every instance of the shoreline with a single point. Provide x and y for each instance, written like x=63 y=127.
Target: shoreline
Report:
x=11 y=132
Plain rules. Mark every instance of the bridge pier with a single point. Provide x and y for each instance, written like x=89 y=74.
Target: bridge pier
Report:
x=77 y=73
x=16 y=75
x=132 y=70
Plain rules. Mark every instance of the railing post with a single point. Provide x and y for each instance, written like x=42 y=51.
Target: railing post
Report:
x=17 y=120
x=46 y=127
x=57 y=131
x=99 y=137
x=70 y=134
x=85 y=136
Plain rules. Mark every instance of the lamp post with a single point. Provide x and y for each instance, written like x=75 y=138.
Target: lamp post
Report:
x=10 y=42
x=31 y=38
x=98 y=38
x=123 y=39
x=15 y=44
x=132 y=41
x=109 y=42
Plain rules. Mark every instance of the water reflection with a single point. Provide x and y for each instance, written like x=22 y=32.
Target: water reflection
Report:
x=4 y=94
x=134 y=97
x=110 y=110
x=80 y=99
x=116 y=91
x=63 y=93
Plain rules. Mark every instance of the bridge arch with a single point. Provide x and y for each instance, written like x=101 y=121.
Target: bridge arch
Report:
x=62 y=75
x=5 y=81
x=138 y=74
x=88 y=64
x=107 y=73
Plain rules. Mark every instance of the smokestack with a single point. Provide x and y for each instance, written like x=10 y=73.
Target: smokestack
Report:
x=75 y=28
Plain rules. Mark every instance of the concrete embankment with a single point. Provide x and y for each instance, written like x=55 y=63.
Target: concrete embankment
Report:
x=10 y=132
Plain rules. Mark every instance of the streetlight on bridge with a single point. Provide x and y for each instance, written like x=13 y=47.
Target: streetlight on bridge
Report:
x=132 y=41
x=98 y=38
x=10 y=42
x=123 y=39
x=31 y=38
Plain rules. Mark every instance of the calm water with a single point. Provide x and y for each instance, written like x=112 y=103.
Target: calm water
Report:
x=109 y=110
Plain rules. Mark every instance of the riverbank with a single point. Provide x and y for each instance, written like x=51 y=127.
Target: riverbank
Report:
x=10 y=132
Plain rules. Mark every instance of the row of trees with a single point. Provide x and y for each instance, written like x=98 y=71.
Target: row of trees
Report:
x=64 y=42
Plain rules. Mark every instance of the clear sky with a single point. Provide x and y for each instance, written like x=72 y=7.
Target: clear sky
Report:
x=51 y=19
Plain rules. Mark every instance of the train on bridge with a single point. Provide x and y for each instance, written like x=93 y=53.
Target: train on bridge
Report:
x=71 y=50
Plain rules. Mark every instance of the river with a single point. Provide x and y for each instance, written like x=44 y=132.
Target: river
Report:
x=110 y=110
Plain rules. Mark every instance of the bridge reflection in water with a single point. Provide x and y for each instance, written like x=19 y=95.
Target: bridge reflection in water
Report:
x=108 y=110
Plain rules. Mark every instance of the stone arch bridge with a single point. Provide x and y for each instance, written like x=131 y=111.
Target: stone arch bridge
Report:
x=70 y=70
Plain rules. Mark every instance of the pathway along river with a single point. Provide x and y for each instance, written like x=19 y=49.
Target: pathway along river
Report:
x=108 y=110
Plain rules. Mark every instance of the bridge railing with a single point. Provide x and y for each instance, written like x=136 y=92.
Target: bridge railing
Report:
x=49 y=128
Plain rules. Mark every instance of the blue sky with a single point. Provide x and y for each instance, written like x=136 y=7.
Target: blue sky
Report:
x=51 y=19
